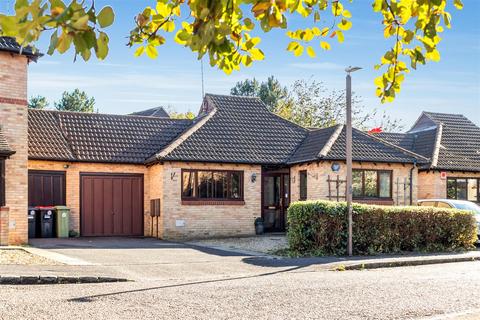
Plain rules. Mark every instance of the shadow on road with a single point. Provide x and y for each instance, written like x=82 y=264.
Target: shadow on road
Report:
x=93 y=297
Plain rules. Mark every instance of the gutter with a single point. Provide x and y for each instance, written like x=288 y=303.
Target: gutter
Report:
x=411 y=180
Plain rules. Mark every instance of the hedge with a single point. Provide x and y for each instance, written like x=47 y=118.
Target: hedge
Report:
x=321 y=228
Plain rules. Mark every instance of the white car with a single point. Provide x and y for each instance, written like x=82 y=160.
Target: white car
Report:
x=457 y=204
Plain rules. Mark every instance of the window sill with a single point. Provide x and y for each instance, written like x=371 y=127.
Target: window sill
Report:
x=213 y=202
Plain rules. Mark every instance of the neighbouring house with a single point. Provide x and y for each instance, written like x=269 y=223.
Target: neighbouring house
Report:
x=452 y=143
x=145 y=174
x=153 y=112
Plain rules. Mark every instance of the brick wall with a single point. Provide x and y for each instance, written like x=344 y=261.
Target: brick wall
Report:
x=317 y=185
x=154 y=226
x=204 y=221
x=13 y=119
x=73 y=183
x=4 y=217
x=431 y=185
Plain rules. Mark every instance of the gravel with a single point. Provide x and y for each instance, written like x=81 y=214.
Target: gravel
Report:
x=262 y=244
x=21 y=257
x=397 y=293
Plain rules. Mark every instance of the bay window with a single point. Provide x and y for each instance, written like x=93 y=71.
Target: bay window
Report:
x=212 y=185
x=372 y=184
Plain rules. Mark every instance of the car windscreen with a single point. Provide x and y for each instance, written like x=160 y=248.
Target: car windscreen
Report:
x=468 y=206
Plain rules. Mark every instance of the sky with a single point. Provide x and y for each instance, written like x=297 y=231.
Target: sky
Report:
x=122 y=83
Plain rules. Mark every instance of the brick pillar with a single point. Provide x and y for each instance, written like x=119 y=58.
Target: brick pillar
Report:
x=3 y=226
x=13 y=119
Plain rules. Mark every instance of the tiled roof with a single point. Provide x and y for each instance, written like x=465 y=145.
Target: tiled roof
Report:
x=10 y=45
x=153 y=112
x=365 y=148
x=5 y=149
x=459 y=143
x=238 y=129
x=421 y=142
x=310 y=148
x=458 y=147
x=97 y=137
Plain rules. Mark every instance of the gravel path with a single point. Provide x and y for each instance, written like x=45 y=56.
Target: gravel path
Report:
x=397 y=293
x=262 y=244
x=21 y=257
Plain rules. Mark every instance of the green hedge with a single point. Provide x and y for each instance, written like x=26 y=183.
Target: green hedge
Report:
x=321 y=228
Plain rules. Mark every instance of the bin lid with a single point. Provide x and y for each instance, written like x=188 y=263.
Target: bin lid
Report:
x=62 y=208
x=45 y=208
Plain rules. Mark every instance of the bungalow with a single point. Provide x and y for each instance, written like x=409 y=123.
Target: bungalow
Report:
x=145 y=174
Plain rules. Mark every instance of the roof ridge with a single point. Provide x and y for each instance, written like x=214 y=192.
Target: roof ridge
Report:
x=184 y=135
x=65 y=136
x=331 y=141
x=436 y=149
x=394 y=146
x=107 y=114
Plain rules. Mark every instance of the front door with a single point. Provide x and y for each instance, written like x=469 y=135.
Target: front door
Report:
x=276 y=198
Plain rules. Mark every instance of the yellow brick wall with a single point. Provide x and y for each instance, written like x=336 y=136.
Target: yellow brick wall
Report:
x=317 y=185
x=431 y=185
x=13 y=120
x=73 y=183
x=203 y=221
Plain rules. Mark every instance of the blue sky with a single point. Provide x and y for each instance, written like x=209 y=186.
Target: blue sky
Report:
x=123 y=83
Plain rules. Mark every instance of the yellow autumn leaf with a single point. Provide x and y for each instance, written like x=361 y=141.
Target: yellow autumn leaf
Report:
x=325 y=45
x=152 y=52
x=311 y=52
x=139 y=51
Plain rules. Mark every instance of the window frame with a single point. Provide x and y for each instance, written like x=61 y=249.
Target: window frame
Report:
x=211 y=172
x=2 y=182
x=377 y=171
x=456 y=188
x=302 y=197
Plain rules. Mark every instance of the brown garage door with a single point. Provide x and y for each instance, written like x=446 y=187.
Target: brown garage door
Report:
x=111 y=205
x=46 y=188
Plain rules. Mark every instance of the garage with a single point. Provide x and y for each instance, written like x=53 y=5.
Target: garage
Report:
x=46 y=188
x=111 y=204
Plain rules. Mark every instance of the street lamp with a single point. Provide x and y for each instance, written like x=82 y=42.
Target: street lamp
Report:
x=349 y=70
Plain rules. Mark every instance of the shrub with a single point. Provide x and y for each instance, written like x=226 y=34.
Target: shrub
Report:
x=321 y=228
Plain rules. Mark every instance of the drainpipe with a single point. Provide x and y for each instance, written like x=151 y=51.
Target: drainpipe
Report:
x=411 y=181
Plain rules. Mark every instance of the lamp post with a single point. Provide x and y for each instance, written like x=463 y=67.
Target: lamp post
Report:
x=349 y=194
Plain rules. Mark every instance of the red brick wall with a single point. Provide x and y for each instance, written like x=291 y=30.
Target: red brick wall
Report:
x=13 y=119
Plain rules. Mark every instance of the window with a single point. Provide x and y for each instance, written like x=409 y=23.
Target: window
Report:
x=427 y=204
x=372 y=183
x=463 y=189
x=212 y=185
x=303 y=185
x=2 y=182
x=441 y=204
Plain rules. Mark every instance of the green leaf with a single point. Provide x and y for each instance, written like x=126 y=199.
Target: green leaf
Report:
x=53 y=43
x=106 y=17
x=102 y=46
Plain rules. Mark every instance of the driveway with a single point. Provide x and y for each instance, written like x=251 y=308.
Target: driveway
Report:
x=146 y=259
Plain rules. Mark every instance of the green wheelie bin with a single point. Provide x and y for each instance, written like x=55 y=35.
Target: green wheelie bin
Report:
x=62 y=221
